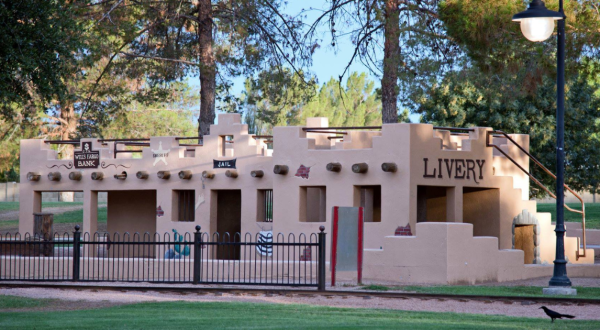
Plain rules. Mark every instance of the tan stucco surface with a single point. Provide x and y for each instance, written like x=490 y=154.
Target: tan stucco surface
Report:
x=482 y=192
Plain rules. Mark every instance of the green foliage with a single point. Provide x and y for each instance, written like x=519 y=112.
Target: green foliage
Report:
x=404 y=117
x=504 y=81
x=495 y=44
x=36 y=51
x=468 y=98
x=265 y=104
x=275 y=98
x=173 y=118
x=355 y=104
x=376 y=287
x=167 y=41
x=424 y=50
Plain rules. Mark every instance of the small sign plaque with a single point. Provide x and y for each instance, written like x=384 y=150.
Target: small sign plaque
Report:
x=87 y=158
x=224 y=163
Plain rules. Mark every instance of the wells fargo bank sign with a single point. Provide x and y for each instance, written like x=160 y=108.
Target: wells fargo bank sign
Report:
x=86 y=158
x=460 y=169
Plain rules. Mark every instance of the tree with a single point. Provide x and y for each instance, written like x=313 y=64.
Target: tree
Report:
x=173 y=118
x=265 y=105
x=36 y=51
x=494 y=44
x=213 y=39
x=408 y=33
x=504 y=81
x=468 y=98
x=275 y=98
x=356 y=104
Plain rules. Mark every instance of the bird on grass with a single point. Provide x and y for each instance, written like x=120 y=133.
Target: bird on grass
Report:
x=555 y=315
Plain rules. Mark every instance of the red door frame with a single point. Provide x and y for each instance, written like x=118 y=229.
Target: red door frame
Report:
x=334 y=244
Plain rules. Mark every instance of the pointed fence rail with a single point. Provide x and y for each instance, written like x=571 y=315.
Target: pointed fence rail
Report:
x=198 y=258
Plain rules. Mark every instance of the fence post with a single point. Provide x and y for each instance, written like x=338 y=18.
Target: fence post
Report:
x=197 y=254
x=322 y=255
x=76 y=253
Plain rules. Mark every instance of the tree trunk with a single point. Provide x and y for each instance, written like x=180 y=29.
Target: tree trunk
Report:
x=207 y=68
x=391 y=56
x=68 y=129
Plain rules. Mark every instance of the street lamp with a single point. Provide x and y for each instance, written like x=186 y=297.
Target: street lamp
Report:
x=537 y=24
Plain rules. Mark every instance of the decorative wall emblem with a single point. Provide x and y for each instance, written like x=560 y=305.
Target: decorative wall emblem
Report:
x=86 y=158
x=303 y=171
x=306 y=255
x=178 y=252
x=68 y=167
x=265 y=246
x=159 y=211
x=160 y=154
x=104 y=165
x=200 y=200
x=224 y=163
x=403 y=231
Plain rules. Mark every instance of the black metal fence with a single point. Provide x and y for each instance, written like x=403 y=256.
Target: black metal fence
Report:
x=199 y=258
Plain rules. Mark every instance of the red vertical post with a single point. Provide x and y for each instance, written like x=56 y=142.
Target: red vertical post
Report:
x=360 y=244
x=334 y=237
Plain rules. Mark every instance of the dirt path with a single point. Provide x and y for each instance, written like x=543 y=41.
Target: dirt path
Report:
x=91 y=299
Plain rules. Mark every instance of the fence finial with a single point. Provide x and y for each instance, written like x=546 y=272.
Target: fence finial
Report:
x=77 y=227
x=322 y=228
x=198 y=228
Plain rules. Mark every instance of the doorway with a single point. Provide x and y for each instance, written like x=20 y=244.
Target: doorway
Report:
x=229 y=220
x=524 y=241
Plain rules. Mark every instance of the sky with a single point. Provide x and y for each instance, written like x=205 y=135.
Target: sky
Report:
x=327 y=61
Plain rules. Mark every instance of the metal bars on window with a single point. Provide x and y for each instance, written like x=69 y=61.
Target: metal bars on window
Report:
x=185 y=205
x=267 y=205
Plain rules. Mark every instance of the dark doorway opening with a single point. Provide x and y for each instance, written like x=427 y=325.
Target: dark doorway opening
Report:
x=481 y=208
x=524 y=241
x=229 y=222
x=431 y=204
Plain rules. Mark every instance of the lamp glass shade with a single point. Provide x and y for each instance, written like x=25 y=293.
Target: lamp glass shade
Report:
x=537 y=29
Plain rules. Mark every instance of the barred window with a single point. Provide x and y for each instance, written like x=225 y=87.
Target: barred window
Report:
x=185 y=205
x=265 y=205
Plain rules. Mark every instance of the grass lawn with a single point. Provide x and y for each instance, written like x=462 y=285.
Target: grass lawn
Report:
x=519 y=291
x=66 y=217
x=592 y=213
x=14 y=206
x=228 y=315
x=21 y=302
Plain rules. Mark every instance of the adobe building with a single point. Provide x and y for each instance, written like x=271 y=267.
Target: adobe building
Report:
x=440 y=205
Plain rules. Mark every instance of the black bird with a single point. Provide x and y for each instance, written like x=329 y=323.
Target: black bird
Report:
x=555 y=315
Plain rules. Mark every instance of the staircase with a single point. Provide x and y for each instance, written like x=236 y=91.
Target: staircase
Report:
x=574 y=248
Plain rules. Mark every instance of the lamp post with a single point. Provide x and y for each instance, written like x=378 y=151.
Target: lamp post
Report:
x=537 y=24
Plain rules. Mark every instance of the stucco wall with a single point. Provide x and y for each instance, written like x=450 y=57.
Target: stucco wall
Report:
x=131 y=211
x=480 y=185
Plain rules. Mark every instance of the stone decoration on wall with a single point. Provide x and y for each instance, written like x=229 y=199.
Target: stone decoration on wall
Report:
x=303 y=171
x=526 y=218
x=404 y=231
x=306 y=255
